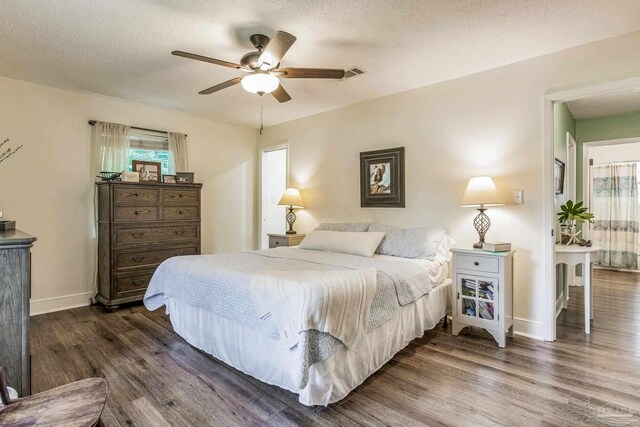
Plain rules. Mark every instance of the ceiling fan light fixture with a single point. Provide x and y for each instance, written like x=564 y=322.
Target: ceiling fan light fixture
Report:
x=260 y=83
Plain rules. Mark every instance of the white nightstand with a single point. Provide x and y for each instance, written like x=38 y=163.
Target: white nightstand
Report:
x=276 y=240
x=483 y=292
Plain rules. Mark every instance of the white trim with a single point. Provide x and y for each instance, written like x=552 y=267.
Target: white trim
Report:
x=572 y=192
x=528 y=328
x=261 y=151
x=49 y=305
x=549 y=325
x=559 y=304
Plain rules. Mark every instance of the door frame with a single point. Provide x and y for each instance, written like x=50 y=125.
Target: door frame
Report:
x=549 y=302
x=261 y=151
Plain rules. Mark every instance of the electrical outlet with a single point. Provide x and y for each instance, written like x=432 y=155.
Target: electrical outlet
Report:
x=518 y=197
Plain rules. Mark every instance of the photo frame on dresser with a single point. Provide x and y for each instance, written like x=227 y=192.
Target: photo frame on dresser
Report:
x=382 y=178
x=184 y=177
x=149 y=171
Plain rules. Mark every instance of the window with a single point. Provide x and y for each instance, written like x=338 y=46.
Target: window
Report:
x=149 y=146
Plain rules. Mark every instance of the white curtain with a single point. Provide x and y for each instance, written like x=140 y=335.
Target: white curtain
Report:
x=110 y=147
x=110 y=144
x=614 y=204
x=178 y=153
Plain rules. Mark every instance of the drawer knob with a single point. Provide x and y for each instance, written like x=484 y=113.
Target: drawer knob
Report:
x=179 y=232
x=136 y=194
x=179 y=212
x=137 y=212
x=277 y=243
x=137 y=235
x=137 y=258
x=476 y=263
x=137 y=282
x=180 y=196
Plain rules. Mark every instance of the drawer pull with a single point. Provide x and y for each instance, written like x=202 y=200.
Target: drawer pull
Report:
x=137 y=235
x=137 y=282
x=136 y=194
x=179 y=232
x=476 y=263
x=180 y=196
x=137 y=212
x=277 y=242
x=137 y=258
x=180 y=212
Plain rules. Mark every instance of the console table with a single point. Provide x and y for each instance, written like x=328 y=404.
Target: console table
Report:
x=15 y=291
x=573 y=255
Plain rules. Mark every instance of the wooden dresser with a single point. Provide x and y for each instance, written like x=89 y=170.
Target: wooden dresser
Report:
x=139 y=226
x=15 y=291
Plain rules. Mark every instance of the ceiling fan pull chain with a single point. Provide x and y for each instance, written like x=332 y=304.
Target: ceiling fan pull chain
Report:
x=261 y=114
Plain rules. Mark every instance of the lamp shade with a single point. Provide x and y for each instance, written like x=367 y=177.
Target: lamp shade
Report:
x=481 y=191
x=260 y=83
x=291 y=197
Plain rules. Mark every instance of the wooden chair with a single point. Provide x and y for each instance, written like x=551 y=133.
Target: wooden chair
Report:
x=77 y=404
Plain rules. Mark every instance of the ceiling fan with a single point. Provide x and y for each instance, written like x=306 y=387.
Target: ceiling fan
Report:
x=263 y=75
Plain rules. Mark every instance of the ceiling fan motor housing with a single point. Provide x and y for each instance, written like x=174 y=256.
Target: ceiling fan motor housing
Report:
x=259 y=41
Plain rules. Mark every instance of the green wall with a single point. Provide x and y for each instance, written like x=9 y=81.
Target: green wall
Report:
x=563 y=122
x=615 y=127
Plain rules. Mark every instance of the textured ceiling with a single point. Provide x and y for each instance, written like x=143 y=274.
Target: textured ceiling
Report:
x=606 y=105
x=120 y=48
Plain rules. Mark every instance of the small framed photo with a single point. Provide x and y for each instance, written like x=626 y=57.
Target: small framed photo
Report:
x=169 y=179
x=130 y=176
x=149 y=171
x=184 y=177
x=382 y=178
x=558 y=176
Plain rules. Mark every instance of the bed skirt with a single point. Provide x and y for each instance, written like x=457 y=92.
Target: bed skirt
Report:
x=270 y=361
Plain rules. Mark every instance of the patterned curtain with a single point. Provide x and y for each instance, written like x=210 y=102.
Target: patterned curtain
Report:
x=614 y=203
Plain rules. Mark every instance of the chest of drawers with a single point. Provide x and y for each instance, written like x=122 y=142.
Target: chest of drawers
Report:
x=139 y=226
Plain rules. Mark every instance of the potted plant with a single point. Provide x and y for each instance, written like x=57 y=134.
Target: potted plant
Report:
x=569 y=216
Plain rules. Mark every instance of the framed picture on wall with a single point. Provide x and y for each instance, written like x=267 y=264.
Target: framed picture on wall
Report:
x=558 y=176
x=382 y=178
x=149 y=171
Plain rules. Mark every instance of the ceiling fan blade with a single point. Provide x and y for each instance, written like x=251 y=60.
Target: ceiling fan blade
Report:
x=221 y=86
x=311 y=73
x=275 y=50
x=281 y=95
x=205 y=59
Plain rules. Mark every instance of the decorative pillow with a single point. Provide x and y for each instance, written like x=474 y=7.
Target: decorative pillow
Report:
x=409 y=242
x=343 y=226
x=346 y=242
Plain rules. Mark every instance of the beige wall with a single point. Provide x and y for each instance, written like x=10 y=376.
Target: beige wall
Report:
x=47 y=188
x=488 y=123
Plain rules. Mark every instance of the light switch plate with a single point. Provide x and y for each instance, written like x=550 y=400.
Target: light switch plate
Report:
x=518 y=197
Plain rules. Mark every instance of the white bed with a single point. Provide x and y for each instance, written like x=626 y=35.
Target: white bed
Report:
x=331 y=380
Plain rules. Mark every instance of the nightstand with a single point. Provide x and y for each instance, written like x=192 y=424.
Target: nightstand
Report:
x=483 y=292
x=276 y=240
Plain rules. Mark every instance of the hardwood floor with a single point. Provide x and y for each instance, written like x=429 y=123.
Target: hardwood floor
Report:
x=157 y=379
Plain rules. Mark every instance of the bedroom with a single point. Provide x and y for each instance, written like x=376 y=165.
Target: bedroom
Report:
x=473 y=106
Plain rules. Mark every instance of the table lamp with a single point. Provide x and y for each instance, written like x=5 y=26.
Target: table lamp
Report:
x=481 y=193
x=291 y=198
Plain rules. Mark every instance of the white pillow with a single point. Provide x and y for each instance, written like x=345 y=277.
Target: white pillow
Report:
x=346 y=242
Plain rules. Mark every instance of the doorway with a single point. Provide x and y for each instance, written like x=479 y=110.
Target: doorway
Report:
x=599 y=101
x=273 y=180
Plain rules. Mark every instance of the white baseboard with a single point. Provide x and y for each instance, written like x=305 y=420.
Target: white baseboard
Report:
x=49 y=305
x=528 y=328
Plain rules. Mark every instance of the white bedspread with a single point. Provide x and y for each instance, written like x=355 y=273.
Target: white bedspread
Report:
x=335 y=302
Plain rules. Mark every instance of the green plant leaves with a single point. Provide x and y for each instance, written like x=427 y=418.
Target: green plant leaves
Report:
x=574 y=212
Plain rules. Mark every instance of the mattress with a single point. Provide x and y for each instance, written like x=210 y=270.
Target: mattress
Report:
x=331 y=380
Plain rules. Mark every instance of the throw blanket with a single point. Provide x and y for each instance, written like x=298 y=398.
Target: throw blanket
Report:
x=337 y=302
x=222 y=284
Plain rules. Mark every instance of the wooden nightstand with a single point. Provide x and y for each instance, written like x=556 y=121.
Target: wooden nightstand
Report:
x=276 y=240
x=483 y=292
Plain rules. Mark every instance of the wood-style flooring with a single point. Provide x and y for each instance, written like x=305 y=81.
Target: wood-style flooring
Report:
x=157 y=379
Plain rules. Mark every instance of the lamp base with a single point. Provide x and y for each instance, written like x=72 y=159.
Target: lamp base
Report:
x=291 y=218
x=477 y=245
x=482 y=223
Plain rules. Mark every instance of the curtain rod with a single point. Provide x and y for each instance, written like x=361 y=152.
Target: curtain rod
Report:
x=93 y=122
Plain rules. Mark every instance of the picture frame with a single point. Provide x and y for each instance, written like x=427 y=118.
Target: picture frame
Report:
x=130 y=176
x=149 y=171
x=382 y=178
x=558 y=176
x=184 y=177
x=169 y=179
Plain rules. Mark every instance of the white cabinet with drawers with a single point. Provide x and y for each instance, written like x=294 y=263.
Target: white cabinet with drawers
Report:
x=483 y=292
